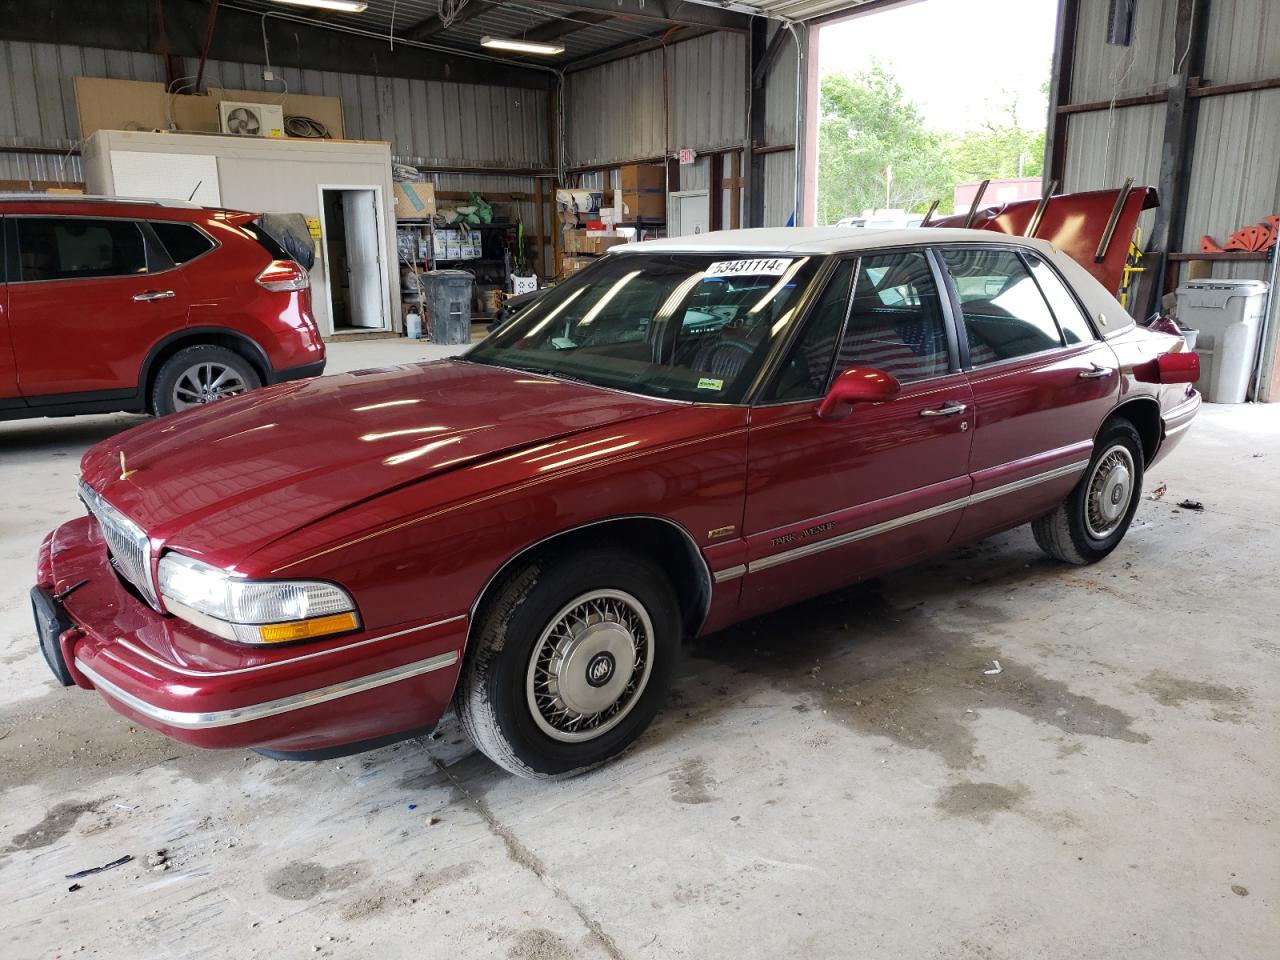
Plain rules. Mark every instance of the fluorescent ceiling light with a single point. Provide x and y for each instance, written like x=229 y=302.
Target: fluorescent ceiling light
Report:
x=345 y=6
x=521 y=46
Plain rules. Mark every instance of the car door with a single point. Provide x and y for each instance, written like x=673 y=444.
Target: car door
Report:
x=1042 y=381
x=832 y=501
x=10 y=396
x=91 y=297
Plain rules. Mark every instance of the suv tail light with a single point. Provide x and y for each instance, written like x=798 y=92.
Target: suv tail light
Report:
x=283 y=275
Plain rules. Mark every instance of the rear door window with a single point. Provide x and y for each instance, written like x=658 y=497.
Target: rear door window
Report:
x=1005 y=315
x=182 y=241
x=70 y=248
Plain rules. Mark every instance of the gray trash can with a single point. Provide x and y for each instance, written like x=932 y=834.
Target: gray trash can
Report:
x=446 y=296
x=1228 y=316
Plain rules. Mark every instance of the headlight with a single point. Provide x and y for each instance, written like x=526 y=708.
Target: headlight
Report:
x=253 y=611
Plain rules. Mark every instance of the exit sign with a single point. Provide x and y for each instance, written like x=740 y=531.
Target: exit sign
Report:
x=687 y=156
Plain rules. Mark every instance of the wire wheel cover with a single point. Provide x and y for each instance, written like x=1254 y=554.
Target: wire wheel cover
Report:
x=590 y=665
x=1110 y=492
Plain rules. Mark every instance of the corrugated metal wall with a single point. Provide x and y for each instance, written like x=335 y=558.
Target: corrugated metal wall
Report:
x=1235 y=160
x=1103 y=70
x=1235 y=170
x=426 y=122
x=614 y=112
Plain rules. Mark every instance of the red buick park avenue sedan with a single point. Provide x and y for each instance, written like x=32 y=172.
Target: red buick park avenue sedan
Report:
x=686 y=434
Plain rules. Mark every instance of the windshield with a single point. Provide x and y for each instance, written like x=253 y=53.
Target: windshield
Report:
x=680 y=326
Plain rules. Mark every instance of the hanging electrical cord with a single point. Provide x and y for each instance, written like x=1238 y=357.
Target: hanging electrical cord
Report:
x=448 y=11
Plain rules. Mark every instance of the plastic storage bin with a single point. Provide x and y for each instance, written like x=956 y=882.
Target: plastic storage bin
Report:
x=1228 y=315
x=446 y=295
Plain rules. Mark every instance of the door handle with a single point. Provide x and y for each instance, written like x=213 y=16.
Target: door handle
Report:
x=1097 y=373
x=948 y=409
x=154 y=295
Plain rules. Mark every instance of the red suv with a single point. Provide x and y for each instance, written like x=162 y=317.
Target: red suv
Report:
x=136 y=305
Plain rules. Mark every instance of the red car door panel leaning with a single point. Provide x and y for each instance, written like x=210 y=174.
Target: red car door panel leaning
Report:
x=832 y=501
x=1042 y=385
x=76 y=323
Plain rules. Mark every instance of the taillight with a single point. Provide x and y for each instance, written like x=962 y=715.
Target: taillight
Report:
x=283 y=275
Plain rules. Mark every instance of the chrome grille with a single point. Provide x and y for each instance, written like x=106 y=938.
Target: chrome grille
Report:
x=127 y=543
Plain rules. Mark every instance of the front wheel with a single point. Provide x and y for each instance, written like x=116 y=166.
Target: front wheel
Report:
x=572 y=658
x=1095 y=516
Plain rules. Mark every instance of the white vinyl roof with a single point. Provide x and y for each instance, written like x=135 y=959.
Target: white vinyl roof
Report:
x=817 y=240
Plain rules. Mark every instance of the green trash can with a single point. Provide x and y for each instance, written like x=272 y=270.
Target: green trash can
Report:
x=446 y=296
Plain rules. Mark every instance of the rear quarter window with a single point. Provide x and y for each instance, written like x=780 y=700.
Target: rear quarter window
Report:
x=182 y=241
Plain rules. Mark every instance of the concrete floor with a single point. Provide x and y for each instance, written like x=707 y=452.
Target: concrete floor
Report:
x=840 y=779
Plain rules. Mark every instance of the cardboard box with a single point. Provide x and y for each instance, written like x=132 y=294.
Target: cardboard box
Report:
x=642 y=177
x=570 y=265
x=643 y=205
x=415 y=201
x=593 y=242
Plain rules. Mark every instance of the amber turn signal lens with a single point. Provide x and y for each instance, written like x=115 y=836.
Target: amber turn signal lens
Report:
x=306 y=629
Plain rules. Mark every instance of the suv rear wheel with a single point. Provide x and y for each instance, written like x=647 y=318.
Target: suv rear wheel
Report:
x=201 y=374
x=572 y=657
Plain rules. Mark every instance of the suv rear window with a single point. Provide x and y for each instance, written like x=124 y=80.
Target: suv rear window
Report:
x=68 y=248
x=182 y=241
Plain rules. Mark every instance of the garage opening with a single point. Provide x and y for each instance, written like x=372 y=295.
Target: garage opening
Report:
x=902 y=125
x=351 y=232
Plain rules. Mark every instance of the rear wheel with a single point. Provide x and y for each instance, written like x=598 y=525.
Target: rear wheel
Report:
x=572 y=658
x=201 y=374
x=1095 y=516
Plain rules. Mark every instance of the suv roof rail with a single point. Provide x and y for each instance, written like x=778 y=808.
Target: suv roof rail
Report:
x=94 y=198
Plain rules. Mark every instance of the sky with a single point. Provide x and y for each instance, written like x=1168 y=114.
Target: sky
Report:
x=955 y=58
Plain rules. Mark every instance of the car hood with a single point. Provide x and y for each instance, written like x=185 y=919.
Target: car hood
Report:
x=231 y=477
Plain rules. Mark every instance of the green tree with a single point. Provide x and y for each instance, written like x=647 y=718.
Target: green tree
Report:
x=998 y=150
x=868 y=126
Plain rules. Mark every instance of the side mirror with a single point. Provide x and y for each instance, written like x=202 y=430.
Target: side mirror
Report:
x=1181 y=367
x=857 y=385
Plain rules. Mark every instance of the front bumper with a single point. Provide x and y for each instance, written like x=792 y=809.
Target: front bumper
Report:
x=190 y=685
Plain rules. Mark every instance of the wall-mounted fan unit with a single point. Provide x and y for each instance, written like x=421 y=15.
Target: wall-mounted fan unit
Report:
x=251 y=119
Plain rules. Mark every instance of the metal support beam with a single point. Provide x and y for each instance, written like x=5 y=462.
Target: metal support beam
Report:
x=1064 y=58
x=428 y=28
x=555 y=29
x=757 y=49
x=761 y=71
x=632 y=48
x=1175 y=151
x=716 y=194
x=659 y=13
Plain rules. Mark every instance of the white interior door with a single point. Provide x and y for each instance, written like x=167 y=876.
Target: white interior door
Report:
x=690 y=213
x=360 y=216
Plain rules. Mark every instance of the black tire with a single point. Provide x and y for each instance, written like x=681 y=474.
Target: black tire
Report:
x=171 y=387
x=1071 y=532
x=493 y=698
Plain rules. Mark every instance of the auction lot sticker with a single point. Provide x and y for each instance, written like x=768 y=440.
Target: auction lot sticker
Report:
x=769 y=267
